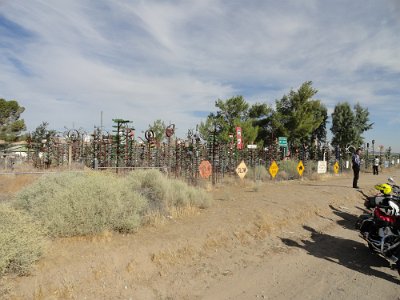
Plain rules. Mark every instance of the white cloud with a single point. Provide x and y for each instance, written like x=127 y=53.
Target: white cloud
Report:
x=142 y=60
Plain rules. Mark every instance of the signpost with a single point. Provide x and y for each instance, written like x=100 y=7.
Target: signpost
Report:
x=300 y=168
x=205 y=169
x=251 y=146
x=322 y=167
x=241 y=170
x=239 y=138
x=273 y=169
x=336 y=167
x=282 y=141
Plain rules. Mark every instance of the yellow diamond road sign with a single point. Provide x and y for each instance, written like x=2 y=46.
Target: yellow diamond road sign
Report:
x=241 y=170
x=273 y=169
x=336 y=167
x=300 y=168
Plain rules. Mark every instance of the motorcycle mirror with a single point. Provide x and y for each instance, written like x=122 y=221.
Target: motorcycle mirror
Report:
x=391 y=180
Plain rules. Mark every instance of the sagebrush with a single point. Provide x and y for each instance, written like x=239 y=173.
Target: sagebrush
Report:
x=69 y=204
x=22 y=241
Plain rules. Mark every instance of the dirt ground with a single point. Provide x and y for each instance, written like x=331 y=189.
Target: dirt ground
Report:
x=270 y=240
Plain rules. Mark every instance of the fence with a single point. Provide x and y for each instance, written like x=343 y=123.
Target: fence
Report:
x=178 y=158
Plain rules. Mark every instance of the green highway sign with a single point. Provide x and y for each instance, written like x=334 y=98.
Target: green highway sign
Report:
x=282 y=141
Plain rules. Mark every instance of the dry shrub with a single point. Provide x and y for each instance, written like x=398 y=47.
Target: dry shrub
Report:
x=22 y=241
x=288 y=170
x=258 y=173
x=164 y=193
x=152 y=185
x=70 y=204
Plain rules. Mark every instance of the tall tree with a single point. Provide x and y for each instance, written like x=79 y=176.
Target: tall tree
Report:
x=348 y=125
x=231 y=113
x=11 y=126
x=320 y=132
x=40 y=138
x=343 y=126
x=261 y=114
x=299 y=117
x=42 y=134
x=361 y=123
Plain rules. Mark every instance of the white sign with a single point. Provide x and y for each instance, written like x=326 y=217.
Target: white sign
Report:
x=252 y=146
x=322 y=165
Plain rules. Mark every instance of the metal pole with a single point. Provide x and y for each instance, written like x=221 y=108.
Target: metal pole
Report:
x=213 y=155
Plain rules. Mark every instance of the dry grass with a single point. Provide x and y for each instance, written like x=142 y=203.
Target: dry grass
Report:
x=258 y=173
x=216 y=240
x=157 y=218
x=170 y=257
x=163 y=193
x=11 y=184
x=21 y=241
x=5 y=289
x=71 y=204
x=90 y=204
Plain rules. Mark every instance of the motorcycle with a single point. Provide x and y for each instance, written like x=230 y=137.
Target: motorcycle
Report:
x=381 y=230
x=395 y=186
x=387 y=191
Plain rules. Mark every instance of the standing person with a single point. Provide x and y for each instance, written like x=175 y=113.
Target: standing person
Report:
x=356 y=160
x=376 y=165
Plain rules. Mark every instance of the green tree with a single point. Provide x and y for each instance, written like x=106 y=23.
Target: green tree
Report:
x=250 y=132
x=320 y=133
x=348 y=125
x=158 y=127
x=11 y=125
x=231 y=113
x=361 y=123
x=39 y=139
x=41 y=135
x=261 y=114
x=343 y=126
x=300 y=118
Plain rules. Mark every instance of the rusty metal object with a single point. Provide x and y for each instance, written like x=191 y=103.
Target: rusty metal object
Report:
x=170 y=130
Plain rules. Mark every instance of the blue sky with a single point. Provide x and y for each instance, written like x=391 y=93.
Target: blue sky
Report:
x=67 y=61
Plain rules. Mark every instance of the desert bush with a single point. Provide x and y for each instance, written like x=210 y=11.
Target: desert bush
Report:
x=152 y=185
x=164 y=193
x=288 y=169
x=258 y=173
x=22 y=241
x=180 y=195
x=69 y=204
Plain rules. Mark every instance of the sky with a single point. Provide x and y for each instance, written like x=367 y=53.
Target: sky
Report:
x=80 y=63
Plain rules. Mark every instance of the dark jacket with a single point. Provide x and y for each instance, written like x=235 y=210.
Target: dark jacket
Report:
x=356 y=160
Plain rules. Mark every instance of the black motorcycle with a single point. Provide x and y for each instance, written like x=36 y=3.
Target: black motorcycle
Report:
x=381 y=230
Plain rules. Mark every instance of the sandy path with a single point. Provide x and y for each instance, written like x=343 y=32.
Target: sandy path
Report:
x=288 y=240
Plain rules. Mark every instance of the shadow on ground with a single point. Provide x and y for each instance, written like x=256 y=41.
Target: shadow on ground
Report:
x=348 y=253
x=347 y=220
